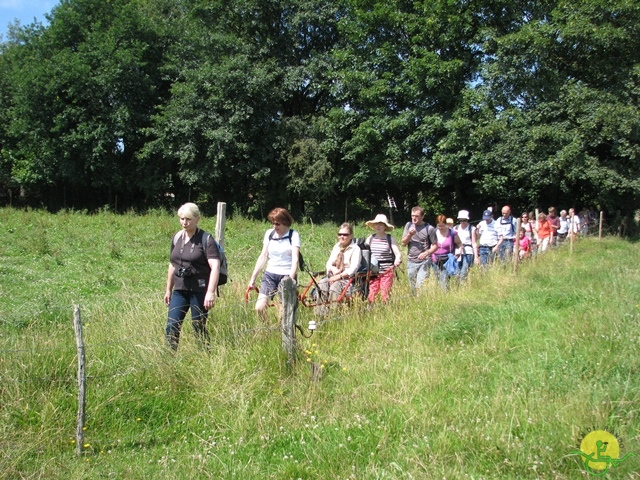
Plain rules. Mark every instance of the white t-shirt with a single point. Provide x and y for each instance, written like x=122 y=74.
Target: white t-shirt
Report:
x=576 y=224
x=488 y=234
x=465 y=235
x=280 y=251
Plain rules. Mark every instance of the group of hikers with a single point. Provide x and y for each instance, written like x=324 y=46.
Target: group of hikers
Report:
x=446 y=249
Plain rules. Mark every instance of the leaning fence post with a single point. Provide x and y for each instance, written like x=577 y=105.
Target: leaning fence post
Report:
x=82 y=380
x=289 y=318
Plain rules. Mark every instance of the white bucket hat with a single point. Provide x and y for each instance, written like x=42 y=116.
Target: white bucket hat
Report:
x=463 y=214
x=380 y=218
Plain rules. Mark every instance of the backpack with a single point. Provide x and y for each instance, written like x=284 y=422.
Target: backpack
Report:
x=368 y=263
x=301 y=264
x=224 y=271
x=511 y=220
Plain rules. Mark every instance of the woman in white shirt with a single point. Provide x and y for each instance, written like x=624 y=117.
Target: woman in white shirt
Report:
x=280 y=250
x=343 y=263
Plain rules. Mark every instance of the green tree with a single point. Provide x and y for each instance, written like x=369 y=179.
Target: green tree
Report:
x=82 y=91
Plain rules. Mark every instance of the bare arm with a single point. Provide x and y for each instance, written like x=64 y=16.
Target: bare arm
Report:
x=396 y=252
x=214 y=276
x=170 y=281
x=294 y=262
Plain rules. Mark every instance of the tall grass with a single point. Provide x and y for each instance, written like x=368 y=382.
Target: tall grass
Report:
x=499 y=378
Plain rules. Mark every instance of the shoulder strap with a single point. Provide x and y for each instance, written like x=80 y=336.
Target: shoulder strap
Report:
x=281 y=238
x=453 y=243
x=205 y=237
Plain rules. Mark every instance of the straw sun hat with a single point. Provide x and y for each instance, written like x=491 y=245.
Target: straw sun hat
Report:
x=380 y=218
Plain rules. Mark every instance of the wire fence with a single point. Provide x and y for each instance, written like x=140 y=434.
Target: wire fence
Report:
x=223 y=333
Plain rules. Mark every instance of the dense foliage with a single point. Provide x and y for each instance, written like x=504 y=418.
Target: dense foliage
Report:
x=323 y=105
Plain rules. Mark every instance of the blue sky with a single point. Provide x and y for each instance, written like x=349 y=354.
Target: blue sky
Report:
x=23 y=10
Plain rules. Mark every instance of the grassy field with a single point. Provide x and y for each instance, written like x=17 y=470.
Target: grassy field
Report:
x=499 y=378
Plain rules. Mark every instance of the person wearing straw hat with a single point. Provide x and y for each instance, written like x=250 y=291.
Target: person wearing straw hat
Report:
x=467 y=234
x=420 y=239
x=385 y=248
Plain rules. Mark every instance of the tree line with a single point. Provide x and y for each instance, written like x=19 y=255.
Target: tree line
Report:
x=323 y=106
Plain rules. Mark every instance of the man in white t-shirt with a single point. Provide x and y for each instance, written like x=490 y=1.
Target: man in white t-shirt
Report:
x=506 y=227
x=488 y=238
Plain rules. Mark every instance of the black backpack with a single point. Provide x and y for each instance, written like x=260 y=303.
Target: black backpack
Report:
x=365 y=256
x=301 y=264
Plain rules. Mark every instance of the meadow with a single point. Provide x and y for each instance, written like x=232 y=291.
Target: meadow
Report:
x=498 y=378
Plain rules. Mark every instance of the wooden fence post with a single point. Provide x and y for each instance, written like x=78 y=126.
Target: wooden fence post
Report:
x=516 y=247
x=289 y=318
x=572 y=233
x=220 y=223
x=82 y=380
x=600 y=225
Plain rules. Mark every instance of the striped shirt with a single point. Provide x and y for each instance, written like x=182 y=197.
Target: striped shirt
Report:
x=382 y=251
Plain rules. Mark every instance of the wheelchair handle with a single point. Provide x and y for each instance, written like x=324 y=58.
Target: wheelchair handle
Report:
x=248 y=291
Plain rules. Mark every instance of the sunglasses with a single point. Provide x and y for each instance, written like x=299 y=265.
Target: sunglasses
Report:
x=343 y=234
x=276 y=224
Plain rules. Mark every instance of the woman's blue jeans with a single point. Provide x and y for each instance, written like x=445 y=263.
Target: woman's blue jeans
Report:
x=181 y=301
x=466 y=261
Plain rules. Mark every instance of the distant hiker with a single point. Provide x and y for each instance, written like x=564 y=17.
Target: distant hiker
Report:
x=469 y=249
x=524 y=245
x=280 y=252
x=192 y=279
x=506 y=228
x=420 y=239
x=447 y=242
x=544 y=232
x=554 y=221
x=565 y=225
x=527 y=223
x=574 y=222
x=384 y=248
x=487 y=237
